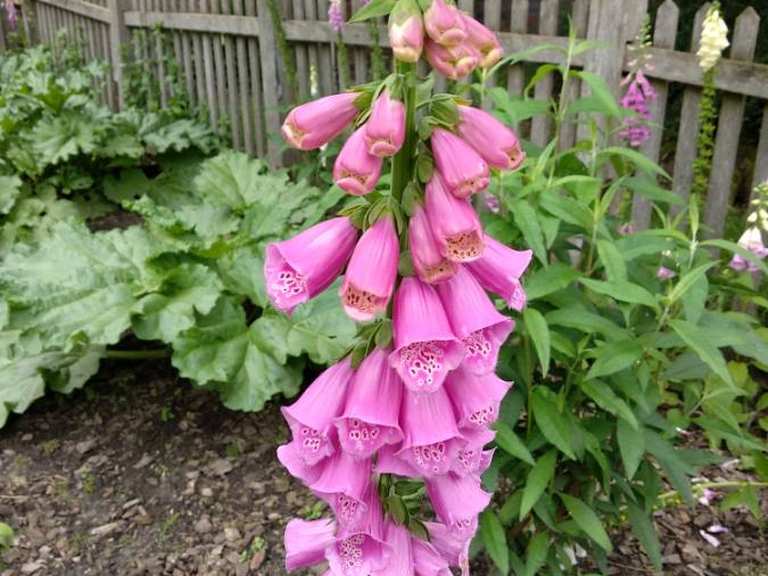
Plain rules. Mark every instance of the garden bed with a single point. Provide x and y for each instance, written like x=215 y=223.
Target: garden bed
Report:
x=141 y=474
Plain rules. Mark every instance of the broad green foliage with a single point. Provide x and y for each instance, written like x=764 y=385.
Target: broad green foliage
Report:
x=611 y=362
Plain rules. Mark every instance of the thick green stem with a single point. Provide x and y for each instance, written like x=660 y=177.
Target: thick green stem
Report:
x=138 y=354
x=402 y=164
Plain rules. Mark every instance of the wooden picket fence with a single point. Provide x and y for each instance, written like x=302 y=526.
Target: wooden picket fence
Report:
x=228 y=53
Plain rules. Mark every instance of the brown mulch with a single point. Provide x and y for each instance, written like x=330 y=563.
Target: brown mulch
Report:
x=141 y=474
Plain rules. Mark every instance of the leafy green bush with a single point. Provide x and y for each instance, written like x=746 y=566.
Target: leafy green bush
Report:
x=181 y=266
x=58 y=143
x=612 y=362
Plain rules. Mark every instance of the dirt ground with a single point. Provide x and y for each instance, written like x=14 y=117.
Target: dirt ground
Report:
x=141 y=474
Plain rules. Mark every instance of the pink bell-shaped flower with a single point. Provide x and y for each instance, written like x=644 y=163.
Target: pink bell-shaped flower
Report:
x=464 y=172
x=425 y=347
x=452 y=544
x=306 y=541
x=371 y=416
x=454 y=223
x=363 y=550
x=401 y=551
x=432 y=439
x=406 y=31
x=457 y=501
x=427 y=561
x=496 y=143
x=311 y=417
x=300 y=268
x=472 y=459
x=428 y=261
x=344 y=483
x=316 y=123
x=444 y=24
x=499 y=271
x=290 y=456
x=371 y=272
x=356 y=171
x=483 y=40
x=475 y=398
x=475 y=320
x=454 y=62
x=385 y=129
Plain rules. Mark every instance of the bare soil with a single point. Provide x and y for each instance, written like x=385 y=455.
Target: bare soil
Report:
x=141 y=474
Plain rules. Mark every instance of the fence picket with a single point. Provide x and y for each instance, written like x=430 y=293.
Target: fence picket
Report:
x=685 y=153
x=302 y=56
x=541 y=126
x=246 y=117
x=664 y=36
x=729 y=128
x=256 y=99
x=580 y=22
x=519 y=24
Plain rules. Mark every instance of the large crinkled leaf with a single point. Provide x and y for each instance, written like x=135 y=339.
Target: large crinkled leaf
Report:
x=242 y=271
x=319 y=328
x=57 y=139
x=186 y=289
x=246 y=364
x=10 y=189
x=23 y=381
x=76 y=283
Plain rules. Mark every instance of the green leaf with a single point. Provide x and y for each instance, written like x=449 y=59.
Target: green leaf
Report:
x=600 y=92
x=688 y=280
x=57 y=139
x=373 y=9
x=615 y=357
x=546 y=281
x=495 y=540
x=648 y=188
x=538 y=479
x=510 y=443
x=550 y=421
x=10 y=190
x=612 y=261
x=187 y=289
x=78 y=284
x=645 y=531
x=587 y=520
x=676 y=469
x=700 y=342
x=6 y=536
x=631 y=446
x=637 y=158
x=622 y=291
x=536 y=553
x=527 y=221
x=605 y=397
x=585 y=321
x=537 y=328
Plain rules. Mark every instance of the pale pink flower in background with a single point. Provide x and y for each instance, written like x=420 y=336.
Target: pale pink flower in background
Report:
x=336 y=15
x=495 y=142
x=664 y=273
x=371 y=273
x=385 y=129
x=426 y=348
x=711 y=540
x=751 y=240
x=626 y=229
x=707 y=496
x=300 y=268
x=356 y=170
x=463 y=170
x=491 y=202
x=639 y=95
x=717 y=529
x=316 y=123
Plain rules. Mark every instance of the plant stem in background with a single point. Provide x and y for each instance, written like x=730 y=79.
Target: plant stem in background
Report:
x=379 y=69
x=286 y=54
x=401 y=163
x=705 y=145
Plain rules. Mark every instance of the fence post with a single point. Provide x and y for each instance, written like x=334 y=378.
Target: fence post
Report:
x=269 y=80
x=118 y=37
x=606 y=26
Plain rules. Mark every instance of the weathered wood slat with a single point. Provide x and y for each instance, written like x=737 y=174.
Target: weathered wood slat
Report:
x=310 y=17
x=327 y=67
x=267 y=46
x=217 y=49
x=254 y=69
x=541 y=126
x=492 y=19
x=246 y=116
x=518 y=25
x=209 y=73
x=232 y=90
x=302 y=58
x=664 y=36
x=761 y=162
x=360 y=55
x=187 y=56
x=685 y=153
x=729 y=129
x=580 y=22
